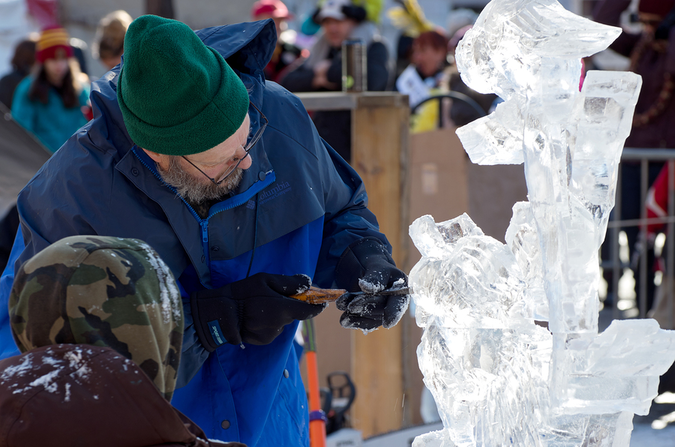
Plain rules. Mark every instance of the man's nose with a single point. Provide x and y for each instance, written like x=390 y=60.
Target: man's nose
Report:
x=245 y=162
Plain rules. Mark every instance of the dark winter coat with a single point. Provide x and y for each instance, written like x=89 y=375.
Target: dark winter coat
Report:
x=660 y=132
x=336 y=126
x=285 y=56
x=83 y=395
x=8 y=84
x=299 y=205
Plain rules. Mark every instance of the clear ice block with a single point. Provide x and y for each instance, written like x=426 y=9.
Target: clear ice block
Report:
x=511 y=350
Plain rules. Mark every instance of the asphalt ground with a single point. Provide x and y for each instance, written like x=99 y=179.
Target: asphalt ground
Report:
x=657 y=429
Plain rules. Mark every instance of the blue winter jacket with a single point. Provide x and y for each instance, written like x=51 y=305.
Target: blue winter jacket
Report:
x=298 y=207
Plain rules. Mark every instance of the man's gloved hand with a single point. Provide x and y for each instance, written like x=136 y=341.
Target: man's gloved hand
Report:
x=253 y=310
x=367 y=266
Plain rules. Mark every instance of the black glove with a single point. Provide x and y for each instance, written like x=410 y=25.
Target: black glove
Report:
x=253 y=310
x=367 y=266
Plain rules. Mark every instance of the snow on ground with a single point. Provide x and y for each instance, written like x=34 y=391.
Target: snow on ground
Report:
x=658 y=428
x=645 y=436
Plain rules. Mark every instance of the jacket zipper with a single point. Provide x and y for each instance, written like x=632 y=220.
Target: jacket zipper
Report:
x=203 y=223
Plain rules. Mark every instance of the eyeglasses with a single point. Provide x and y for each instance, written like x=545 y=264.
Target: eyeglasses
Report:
x=249 y=145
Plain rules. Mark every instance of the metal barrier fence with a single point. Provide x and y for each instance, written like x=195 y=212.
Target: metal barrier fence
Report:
x=644 y=157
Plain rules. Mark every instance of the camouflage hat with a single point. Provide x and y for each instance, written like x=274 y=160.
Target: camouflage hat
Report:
x=102 y=291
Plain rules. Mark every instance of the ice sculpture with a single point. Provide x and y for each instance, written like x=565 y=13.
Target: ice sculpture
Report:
x=511 y=350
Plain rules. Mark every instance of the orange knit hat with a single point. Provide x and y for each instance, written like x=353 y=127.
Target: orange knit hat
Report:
x=53 y=43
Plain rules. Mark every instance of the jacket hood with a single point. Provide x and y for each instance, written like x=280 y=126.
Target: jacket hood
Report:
x=247 y=47
x=103 y=291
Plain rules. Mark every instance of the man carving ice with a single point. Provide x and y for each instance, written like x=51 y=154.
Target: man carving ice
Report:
x=186 y=139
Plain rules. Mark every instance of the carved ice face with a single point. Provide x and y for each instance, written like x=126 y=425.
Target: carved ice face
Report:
x=532 y=39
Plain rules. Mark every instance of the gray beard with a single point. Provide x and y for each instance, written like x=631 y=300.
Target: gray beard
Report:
x=198 y=190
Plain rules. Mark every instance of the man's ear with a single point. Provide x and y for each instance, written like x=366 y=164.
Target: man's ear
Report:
x=157 y=158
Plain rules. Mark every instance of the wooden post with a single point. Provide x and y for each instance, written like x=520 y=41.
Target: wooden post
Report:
x=379 y=155
x=379 y=152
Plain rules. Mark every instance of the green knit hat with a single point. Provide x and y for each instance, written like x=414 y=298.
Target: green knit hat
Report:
x=177 y=95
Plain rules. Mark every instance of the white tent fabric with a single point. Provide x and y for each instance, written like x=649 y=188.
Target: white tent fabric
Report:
x=21 y=156
x=15 y=24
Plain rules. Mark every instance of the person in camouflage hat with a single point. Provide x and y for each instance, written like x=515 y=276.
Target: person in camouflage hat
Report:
x=92 y=317
x=102 y=291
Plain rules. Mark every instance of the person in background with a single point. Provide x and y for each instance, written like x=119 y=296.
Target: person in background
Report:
x=407 y=16
x=429 y=57
x=80 y=48
x=286 y=52
x=403 y=53
x=424 y=78
x=99 y=323
x=656 y=204
x=652 y=56
x=340 y=20
x=50 y=102
x=22 y=63
x=108 y=43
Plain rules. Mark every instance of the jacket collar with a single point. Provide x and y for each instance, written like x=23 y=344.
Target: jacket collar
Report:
x=258 y=172
x=140 y=170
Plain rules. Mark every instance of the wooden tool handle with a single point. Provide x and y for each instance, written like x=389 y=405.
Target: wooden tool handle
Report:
x=315 y=295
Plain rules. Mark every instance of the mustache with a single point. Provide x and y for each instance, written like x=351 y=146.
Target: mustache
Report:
x=197 y=188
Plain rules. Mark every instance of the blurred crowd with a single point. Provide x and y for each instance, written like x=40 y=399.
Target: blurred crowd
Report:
x=47 y=90
x=49 y=77
x=48 y=87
